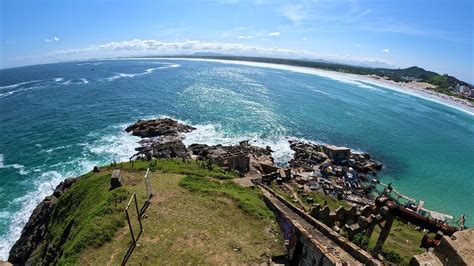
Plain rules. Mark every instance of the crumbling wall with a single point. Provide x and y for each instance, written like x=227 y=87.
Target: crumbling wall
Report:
x=301 y=250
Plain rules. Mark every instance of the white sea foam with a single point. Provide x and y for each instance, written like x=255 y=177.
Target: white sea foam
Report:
x=359 y=80
x=166 y=65
x=19 y=167
x=129 y=75
x=89 y=63
x=117 y=146
x=57 y=148
x=147 y=71
x=212 y=135
x=44 y=186
x=16 y=85
x=4 y=215
x=74 y=81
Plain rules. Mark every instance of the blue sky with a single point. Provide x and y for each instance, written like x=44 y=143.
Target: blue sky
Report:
x=436 y=34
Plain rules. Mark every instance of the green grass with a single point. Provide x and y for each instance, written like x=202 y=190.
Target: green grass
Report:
x=177 y=166
x=332 y=202
x=319 y=198
x=194 y=208
x=401 y=244
x=247 y=199
x=87 y=215
x=188 y=225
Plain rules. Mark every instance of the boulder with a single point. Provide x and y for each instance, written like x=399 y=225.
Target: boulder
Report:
x=158 y=127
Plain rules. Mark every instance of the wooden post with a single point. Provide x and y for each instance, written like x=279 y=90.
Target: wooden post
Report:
x=139 y=218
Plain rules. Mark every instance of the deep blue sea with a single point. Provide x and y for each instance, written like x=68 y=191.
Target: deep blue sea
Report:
x=59 y=120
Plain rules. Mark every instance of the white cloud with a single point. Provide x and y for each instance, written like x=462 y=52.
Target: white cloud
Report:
x=304 y=38
x=140 y=47
x=295 y=13
x=188 y=46
x=245 y=37
x=274 y=34
x=54 y=39
x=386 y=51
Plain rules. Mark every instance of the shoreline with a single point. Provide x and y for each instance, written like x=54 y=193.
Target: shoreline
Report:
x=417 y=89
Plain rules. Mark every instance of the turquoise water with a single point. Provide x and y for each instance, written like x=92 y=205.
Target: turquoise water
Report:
x=60 y=120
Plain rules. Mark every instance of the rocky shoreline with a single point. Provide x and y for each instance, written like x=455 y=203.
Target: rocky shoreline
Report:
x=343 y=171
x=163 y=138
x=35 y=230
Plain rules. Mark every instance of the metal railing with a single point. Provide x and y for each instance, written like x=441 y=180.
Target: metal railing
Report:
x=139 y=219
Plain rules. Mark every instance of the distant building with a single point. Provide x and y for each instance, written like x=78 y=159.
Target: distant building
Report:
x=410 y=78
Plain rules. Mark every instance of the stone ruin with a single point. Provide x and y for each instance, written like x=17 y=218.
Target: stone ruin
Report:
x=236 y=160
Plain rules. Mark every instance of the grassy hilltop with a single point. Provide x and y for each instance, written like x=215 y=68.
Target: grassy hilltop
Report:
x=196 y=216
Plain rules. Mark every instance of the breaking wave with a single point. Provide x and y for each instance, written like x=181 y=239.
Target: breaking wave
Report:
x=117 y=146
x=39 y=84
x=211 y=134
x=146 y=72
x=19 y=167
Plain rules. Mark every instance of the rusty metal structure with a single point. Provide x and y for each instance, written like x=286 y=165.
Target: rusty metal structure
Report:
x=408 y=215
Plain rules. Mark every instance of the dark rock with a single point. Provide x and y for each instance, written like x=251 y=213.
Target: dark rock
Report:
x=199 y=149
x=35 y=230
x=158 y=127
x=307 y=155
x=256 y=155
x=32 y=234
x=162 y=147
x=163 y=138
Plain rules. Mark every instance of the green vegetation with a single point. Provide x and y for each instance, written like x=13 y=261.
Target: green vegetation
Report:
x=331 y=202
x=247 y=199
x=306 y=203
x=402 y=243
x=196 y=216
x=86 y=216
x=178 y=166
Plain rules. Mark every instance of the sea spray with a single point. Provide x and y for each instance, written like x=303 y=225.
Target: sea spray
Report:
x=115 y=146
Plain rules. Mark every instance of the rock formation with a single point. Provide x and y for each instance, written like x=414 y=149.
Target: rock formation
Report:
x=158 y=127
x=36 y=228
x=162 y=138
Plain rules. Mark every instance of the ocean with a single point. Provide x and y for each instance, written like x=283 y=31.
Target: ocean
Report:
x=60 y=120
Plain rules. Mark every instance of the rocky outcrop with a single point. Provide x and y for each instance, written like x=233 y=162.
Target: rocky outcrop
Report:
x=158 y=127
x=161 y=147
x=257 y=155
x=307 y=155
x=35 y=230
x=162 y=138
